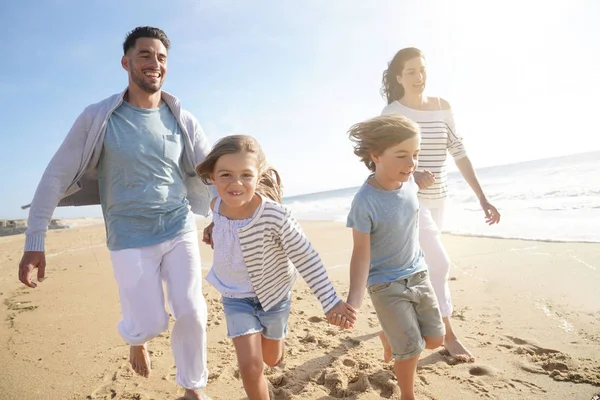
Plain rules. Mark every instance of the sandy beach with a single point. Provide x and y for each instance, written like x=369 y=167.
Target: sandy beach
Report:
x=530 y=312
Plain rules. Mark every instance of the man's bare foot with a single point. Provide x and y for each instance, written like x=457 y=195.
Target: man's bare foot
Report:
x=387 y=349
x=457 y=350
x=195 y=394
x=140 y=360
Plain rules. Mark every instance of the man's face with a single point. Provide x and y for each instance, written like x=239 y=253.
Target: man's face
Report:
x=146 y=64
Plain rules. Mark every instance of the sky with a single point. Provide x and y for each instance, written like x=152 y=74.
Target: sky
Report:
x=522 y=76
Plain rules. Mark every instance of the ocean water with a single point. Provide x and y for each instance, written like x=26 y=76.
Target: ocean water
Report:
x=555 y=199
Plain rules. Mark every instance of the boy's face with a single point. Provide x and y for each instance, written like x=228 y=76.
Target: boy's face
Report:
x=397 y=163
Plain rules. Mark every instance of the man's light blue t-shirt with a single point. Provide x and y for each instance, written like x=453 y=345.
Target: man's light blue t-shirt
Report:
x=391 y=217
x=140 y=177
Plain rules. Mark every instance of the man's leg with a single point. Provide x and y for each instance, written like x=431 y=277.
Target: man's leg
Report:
x=137 y=273
x=182 y=273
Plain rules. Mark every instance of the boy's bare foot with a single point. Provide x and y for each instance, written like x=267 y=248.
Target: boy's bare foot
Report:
x=140 y=360
x=458 y=350
x=387 y=349
x=195 y=394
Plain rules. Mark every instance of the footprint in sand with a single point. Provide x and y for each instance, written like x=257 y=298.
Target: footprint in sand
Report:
x=559 y=366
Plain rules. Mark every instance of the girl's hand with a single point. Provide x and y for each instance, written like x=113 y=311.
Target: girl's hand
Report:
x=492 y=216
x=424 y=179
x=342 y=315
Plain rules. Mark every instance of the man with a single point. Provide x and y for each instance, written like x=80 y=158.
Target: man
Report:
x=134 y=153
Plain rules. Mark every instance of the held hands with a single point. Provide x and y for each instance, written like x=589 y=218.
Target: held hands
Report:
x=424 y=179
x=342 y=315
x=492 y=216
x=30 y=261
x=207 y=235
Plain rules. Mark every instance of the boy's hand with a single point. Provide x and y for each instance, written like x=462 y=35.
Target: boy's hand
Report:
x=342 y=315
x=424 y=179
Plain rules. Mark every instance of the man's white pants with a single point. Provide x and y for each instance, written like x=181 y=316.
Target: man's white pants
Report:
x=438 y=262
x=139 y=274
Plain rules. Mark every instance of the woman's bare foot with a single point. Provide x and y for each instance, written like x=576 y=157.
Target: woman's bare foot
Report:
x=140 y=360
x=195 y=394
x=387 y=350
x=454 y=346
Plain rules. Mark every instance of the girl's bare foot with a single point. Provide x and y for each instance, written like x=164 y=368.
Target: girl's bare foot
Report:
x=195 y=394
x=140 y=360
x=387 y=350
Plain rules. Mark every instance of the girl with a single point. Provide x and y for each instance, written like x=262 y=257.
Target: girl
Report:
x=404 y=83
x=257 y=244
x=386 y=256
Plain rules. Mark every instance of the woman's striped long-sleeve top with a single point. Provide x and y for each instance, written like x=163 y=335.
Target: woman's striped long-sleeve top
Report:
x=438 y=138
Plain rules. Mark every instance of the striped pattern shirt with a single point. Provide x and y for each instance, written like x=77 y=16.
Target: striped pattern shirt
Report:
x=275 y=248
x=438 y=138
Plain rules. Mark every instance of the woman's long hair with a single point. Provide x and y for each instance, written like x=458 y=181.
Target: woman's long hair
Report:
x=391 y=89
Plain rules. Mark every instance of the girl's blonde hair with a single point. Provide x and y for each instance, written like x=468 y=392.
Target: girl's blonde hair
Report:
x=269 y=182
x=376 y=135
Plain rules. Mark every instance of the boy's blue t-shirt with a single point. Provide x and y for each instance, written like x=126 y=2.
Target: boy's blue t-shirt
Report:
x=391 y=217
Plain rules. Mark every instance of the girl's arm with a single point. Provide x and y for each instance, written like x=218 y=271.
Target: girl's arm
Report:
x=359 y=267
x=305 y=258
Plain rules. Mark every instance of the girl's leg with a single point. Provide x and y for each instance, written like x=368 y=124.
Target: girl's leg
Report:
x=406 y=370
x=250 y=360
x=272 y=351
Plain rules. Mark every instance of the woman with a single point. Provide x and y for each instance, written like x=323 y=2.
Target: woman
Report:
x=404 y=83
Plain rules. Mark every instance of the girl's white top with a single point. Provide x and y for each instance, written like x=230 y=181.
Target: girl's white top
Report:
x=229 y=274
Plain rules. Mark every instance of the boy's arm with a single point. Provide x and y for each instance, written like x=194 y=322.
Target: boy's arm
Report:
x=308 y=263
x=359 y=267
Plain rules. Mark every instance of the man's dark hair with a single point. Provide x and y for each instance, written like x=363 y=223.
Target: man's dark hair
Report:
x=145 y=32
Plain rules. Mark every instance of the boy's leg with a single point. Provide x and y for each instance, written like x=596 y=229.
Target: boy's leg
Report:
x=405 y=371
x=250 y=360
x=387 y=349
x=137 y=273
x=182 y=274
x=427 y=310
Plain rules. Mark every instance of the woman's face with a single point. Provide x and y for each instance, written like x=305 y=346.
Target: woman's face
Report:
x=414 y=76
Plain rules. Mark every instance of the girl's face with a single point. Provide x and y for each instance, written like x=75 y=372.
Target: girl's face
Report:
x=414 y=76
x=397 y=163
x=236 y=177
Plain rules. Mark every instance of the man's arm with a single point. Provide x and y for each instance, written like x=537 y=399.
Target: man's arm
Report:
x=359 y=267
x=59 y=174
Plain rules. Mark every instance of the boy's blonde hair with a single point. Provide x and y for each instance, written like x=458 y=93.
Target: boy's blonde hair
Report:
x=269 y=182
x=375 y=135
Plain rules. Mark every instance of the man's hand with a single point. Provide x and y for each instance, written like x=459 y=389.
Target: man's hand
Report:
x=31 y=260
x=424 y=179
x=207 y=235
x=492 y=216
x=342 y=315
